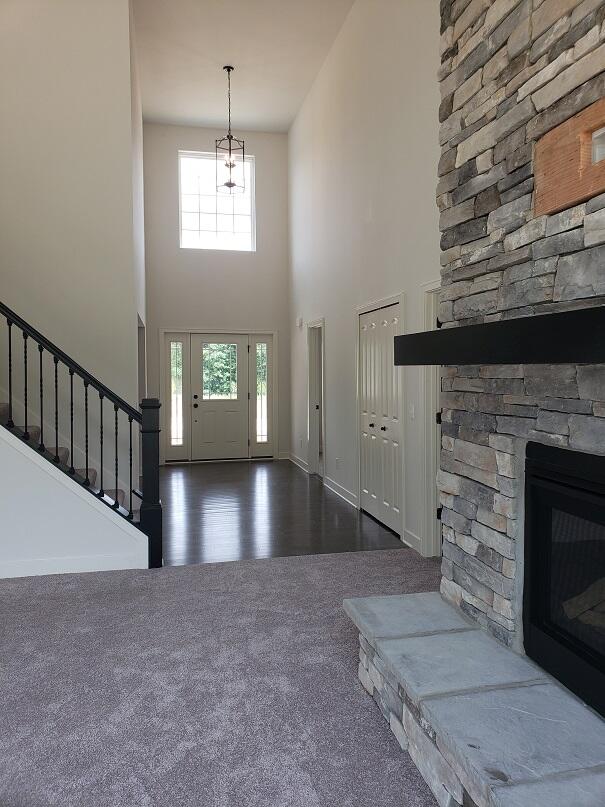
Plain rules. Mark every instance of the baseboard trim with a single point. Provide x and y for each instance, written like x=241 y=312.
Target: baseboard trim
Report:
x=339 y=490
x=300 y=462
x=283 y=455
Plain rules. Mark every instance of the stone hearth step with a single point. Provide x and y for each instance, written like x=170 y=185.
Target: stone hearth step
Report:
x=484 y=726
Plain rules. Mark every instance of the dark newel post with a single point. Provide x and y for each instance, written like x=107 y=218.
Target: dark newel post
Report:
x=151 y=508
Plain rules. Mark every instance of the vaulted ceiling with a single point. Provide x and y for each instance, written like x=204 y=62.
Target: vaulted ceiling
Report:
x=276 y=46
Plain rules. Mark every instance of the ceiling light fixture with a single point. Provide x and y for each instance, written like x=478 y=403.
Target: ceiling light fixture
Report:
x=230 y=155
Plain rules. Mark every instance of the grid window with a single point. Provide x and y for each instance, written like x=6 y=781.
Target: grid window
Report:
x=209 y=220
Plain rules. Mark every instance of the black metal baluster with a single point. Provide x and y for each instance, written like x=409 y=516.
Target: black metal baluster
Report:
x=56 y=409
x=116 y=504
x=87 y=480
x=10 y=422
x=101 y=491
x=41 y=356
x=130 y=465
x=25 y=429
x=72 y=470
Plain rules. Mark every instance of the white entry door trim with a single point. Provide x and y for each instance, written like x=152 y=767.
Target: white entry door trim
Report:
x=375 y=305
x=184 y=452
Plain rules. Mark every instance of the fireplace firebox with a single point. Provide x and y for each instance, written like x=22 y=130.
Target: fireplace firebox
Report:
x=564 y=586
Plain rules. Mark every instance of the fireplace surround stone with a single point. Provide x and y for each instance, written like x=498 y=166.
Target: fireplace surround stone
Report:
x=512 y=70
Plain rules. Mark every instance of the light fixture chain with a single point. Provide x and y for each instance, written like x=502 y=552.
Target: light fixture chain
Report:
x=229 y=96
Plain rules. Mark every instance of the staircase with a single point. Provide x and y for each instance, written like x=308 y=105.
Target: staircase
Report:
x=66 y=415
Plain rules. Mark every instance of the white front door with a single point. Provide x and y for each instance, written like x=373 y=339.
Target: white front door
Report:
x=219 y=396
x=380 y=417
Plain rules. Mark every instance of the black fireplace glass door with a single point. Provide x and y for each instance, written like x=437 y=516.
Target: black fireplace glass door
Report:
x=577 y=584
x=570 y=599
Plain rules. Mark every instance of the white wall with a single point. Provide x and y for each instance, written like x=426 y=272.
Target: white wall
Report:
x=37 y=538
x=66 y=173
x=363 y=155
x=138 y=197
x=209 y=289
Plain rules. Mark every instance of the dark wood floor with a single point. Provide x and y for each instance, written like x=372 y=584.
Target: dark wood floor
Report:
x=241 y=510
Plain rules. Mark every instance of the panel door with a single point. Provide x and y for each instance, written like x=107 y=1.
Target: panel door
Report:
x=380 y=417
x=219 y=396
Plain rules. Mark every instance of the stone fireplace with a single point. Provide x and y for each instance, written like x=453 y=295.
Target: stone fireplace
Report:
x=512 y=72
x=522 y=471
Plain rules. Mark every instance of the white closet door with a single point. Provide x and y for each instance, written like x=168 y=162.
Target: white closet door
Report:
x=380 y=417
x=219 y=392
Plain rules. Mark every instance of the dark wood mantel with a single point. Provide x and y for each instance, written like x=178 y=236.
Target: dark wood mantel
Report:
x=569 y=337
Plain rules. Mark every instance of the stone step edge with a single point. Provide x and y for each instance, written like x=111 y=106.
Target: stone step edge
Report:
x=411 y=727
x=461 y=622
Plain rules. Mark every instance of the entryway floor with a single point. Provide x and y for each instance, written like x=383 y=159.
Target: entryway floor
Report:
x=244 y=510
x=217 y=685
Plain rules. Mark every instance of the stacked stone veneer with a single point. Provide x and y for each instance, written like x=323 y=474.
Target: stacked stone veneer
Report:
x=511 y=71
x=412 y=731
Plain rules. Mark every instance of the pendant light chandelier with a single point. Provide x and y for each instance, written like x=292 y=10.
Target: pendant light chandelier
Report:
x=230 y=155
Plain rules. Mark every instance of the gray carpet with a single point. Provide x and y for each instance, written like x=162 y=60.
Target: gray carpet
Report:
x=222 y=685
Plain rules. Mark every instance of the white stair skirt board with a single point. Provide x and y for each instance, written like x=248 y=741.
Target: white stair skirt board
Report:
x=50 y=525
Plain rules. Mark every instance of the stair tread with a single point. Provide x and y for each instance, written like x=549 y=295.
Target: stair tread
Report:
x=120 y=495
x=92 y=475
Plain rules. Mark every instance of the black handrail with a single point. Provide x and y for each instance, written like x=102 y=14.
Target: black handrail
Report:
x=69 y=362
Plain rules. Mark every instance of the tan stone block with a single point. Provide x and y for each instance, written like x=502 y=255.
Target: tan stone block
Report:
x=478 y=456
x=468 y=544
x=546 y=74
x=497 y=12
x=471 y=13
x=509 y=568
x=578 y=73
x=467 y=90
x=549 y=12
x=503 y=606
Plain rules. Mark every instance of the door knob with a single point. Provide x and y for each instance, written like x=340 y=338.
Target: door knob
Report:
x=383 y=428
x=195 y=406
x=195 y=397
x=371 y=425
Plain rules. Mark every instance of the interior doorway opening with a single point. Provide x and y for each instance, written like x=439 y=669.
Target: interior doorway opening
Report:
x=316 y=420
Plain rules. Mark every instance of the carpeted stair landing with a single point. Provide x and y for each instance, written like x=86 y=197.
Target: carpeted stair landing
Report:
x=222 y=685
